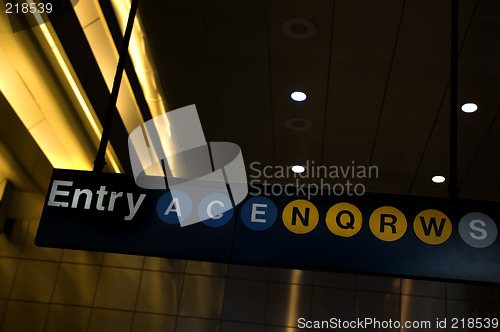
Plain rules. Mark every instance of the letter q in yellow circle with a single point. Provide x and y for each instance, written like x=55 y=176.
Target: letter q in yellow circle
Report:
x=300 y=216
x=432 y=226
x=388 y=223
x=344 y=219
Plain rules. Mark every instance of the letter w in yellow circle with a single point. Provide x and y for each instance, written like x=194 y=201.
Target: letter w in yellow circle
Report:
x=432 y=226
x=300 y=216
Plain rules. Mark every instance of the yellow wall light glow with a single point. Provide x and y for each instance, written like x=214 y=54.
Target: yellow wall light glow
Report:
x=36 y=80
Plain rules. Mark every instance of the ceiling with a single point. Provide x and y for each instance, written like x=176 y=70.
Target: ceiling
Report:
x=376 y=73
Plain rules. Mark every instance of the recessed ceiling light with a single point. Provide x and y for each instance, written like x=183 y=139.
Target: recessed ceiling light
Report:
x=298 y=169
x=438 y=179
x=299 y=28
x=298 y=96
x=298 y=123
x=469 y=107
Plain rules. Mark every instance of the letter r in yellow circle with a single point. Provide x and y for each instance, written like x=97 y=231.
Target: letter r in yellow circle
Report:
x=388 y=223
x=300 y=216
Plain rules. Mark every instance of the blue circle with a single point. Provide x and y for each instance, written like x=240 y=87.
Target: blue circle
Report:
x=182 y=205
x=215 y=210
x=264 y=213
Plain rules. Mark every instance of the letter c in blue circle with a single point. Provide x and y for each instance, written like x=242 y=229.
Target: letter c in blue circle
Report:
x=215 y=210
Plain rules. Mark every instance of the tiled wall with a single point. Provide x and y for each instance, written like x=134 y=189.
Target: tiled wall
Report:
x=57 y=290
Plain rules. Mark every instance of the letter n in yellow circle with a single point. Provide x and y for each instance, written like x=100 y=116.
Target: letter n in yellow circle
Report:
x=388 y=223
x=300 y=216
x=344 y=219
x=432 y=226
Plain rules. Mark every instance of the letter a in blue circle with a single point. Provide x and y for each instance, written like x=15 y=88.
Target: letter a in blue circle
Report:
x=259 y=213
x=174 y=206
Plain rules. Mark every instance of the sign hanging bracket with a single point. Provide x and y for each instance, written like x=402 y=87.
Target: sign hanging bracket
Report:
x=100 y=161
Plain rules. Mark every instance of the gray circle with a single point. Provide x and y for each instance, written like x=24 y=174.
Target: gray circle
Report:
x=477 y=230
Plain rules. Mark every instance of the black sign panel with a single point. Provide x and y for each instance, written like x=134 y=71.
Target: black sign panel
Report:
x=379 y=234
x=113 y=227
x=372 y=250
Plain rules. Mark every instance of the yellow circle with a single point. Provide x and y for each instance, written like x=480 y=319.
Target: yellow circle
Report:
x=344 y=219
x=388 y=223
x=300 y=216
x=432 y=226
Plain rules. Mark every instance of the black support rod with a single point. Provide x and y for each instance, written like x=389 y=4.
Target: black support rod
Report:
x=453 y=186
x=100 y=160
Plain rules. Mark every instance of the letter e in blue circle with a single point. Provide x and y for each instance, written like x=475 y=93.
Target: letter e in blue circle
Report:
x=174 y=206
x=259 y=213
x=215 y=210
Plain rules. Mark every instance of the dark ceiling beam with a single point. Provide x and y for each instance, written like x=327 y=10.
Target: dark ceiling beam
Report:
x=453 y=184
x=442 y=102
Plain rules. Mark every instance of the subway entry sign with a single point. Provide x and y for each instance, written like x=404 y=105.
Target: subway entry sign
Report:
x=406 y=236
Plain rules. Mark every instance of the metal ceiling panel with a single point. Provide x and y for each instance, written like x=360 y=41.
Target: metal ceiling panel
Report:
x=299 y=65
x=376 y=74
x=363 y=43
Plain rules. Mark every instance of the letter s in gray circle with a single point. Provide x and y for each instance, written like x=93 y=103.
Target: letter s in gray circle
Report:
x=478 y=230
